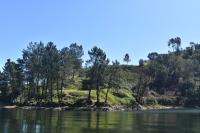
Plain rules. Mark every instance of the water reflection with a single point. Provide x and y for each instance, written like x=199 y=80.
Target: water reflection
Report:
x=35 y=121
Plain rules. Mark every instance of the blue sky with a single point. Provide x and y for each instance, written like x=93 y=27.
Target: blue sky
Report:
x=137 y=27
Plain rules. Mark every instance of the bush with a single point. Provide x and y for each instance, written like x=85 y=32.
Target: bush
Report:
x=164 y=100
x=119 y=94
x=150 y=101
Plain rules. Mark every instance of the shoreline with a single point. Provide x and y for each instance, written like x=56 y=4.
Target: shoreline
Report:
x=103 y=109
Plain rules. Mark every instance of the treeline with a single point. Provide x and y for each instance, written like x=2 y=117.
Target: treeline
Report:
x=42 y=70
x=45 y=72
x=174 y=74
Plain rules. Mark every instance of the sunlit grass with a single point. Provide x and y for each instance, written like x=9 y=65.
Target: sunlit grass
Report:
x=72 y=95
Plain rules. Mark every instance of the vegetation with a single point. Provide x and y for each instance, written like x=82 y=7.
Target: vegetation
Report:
x=127 y=58
x=50 y=76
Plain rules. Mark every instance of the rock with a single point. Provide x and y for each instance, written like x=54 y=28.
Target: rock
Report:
x=104 y=109
x=138 y=107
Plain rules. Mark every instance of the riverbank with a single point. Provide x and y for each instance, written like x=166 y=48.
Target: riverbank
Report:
x=91 y=108
x=5 y=106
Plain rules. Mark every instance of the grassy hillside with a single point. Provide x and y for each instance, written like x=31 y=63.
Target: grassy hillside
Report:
x=74 y=96
x=121 y=97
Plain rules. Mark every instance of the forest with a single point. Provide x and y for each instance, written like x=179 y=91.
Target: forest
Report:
x=48 y=76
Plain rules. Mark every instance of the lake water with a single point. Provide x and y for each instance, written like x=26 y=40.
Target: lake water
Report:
x=34 y=121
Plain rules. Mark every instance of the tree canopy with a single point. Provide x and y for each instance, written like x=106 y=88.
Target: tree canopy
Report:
x=44 y=73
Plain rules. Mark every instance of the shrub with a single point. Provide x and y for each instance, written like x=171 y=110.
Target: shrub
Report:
x=150 y=101
x=164 y=100
x=119 y=94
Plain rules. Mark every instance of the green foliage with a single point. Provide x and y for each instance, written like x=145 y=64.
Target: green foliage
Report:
x=11 y=81
x=127 y=58
x=45 y=71
x=74 y=95
x=175 y=43
x=168 y=101
x=150 y=101
x=98 y=65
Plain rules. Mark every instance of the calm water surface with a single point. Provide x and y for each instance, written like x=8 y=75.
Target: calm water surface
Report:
x=34 y=121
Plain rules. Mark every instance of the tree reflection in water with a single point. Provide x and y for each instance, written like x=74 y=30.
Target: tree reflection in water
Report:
x=43 y=121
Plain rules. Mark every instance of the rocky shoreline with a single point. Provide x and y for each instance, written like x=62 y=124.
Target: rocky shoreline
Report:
x=91 y=108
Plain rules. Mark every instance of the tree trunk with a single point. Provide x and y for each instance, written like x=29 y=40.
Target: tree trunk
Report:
x=61 y=93
x=37 y=91
x=73 y=74
x=43 y=89
x=89 y=95
x=47 y=84
x=58 y=94
x=107 y=95
x=97 y=93
x=28 y=91
x=51 y=91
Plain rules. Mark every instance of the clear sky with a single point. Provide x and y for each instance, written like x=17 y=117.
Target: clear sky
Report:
x=137 y=27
